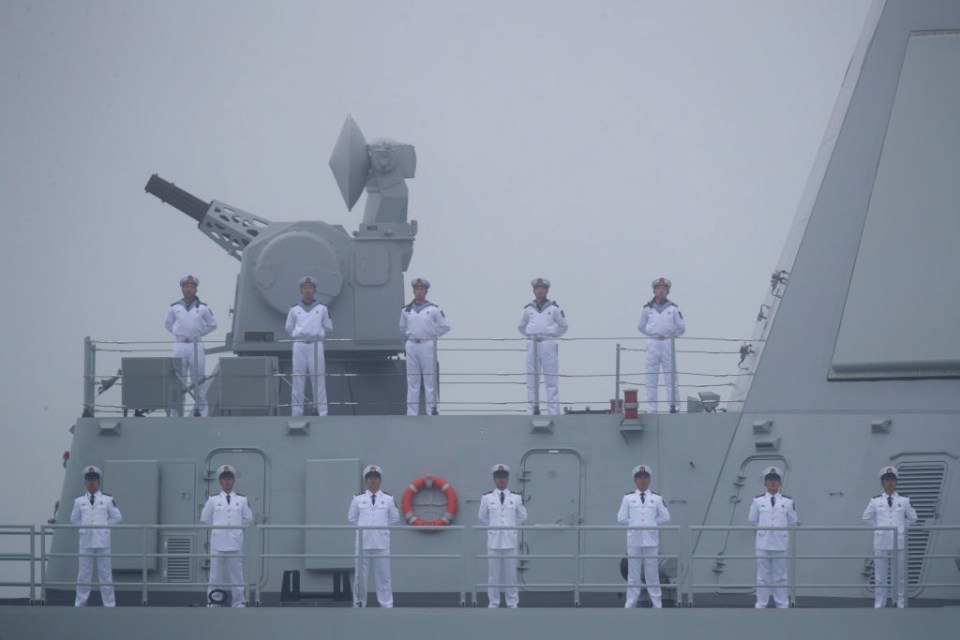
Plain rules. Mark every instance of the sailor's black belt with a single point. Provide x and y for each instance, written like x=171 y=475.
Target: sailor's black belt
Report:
x=185 y=339
x=418 y=340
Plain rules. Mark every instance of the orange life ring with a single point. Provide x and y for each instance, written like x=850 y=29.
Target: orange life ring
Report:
x=429 y=482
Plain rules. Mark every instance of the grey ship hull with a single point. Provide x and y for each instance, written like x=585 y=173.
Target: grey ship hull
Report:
x=562 y=624
x=706 y=469
x=821 y=405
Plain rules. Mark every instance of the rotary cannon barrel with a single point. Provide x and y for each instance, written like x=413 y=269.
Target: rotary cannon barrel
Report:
x=176 y=197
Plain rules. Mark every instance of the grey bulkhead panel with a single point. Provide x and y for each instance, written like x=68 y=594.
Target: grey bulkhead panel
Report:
x=135 y=486
x=327 y=487
x=903 y=309
x=793 y=373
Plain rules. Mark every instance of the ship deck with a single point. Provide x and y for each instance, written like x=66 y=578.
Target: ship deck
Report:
x=146 y=623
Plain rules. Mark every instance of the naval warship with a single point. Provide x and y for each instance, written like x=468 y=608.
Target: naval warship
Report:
x=852 y=366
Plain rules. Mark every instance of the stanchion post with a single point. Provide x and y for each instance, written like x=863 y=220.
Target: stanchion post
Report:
x=89 y=376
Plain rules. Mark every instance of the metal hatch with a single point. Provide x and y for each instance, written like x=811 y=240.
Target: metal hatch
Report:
x=251 y=482
x=552 y=485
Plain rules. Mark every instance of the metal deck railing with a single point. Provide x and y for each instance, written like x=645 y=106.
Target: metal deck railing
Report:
x=259 y=558
x=479 y=375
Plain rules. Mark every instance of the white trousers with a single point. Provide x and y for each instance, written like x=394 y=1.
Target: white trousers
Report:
x=772 y=577
x=377 y=560
x=192 y=370
x=659 y=357
x=502 y=570
x=548 y=354
x=651 y=575
x=231 y=564
x=883 y=578
x=104 y=577
x=420 y=363
x=307 y=359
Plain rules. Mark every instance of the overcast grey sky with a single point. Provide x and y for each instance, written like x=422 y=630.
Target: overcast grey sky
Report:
x=597 y=144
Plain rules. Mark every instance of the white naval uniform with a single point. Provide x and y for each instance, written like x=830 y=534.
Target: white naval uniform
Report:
x=661 y=322
x=643 y=509
x=772 y=547
x=897 y=512
x=367 y=509
x=542 y=325
x=308 y=324
x=189 y=324
x=95 y=542
x=502 y=543
x=226 y=545
x=422 y=324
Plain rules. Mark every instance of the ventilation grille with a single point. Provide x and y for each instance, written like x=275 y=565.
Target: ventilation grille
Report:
x=177 y=562
x=922 y=482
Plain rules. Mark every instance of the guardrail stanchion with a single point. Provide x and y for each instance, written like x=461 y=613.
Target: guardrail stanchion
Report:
x=463 y=568
x=33 y=551
x=260 y=541
x=143 y=565
x=792 y=546
x=43 y=564
x=89 y=376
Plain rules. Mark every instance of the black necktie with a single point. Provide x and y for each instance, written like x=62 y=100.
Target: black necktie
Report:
x=92 y=499
x=228 y=498
x=889 y=501
x=373 y=498
x=643 y=497
x=501 y=497
x=773 y=501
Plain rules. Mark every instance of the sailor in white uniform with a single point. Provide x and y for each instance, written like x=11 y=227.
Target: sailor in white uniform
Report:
x=542 y=322
x=422 y=322
x=94 y=508
x=227 y=508
x=502 y=508
x=373 y=507
x=661 y=320
x=889 y=509
x=308 y=322
x=189 y=320
x=772 y=509
x=643 y=508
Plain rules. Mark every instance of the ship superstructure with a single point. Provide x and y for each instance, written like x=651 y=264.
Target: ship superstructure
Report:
x=852 y=367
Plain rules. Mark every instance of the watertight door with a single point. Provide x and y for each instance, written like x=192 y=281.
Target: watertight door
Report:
x=552 y=486
x=250 y=481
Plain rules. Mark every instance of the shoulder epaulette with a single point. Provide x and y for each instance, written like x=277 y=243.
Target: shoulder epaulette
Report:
x=655 y=493
x=387 y=494
x=486 y=493
x=214 y=495
x=242 y=495
x=106 y=495
x=786 y=496
x=876 y=496
x=357 y=495
x=173 y=304
x=629 y=492
x=902 y=495
x=759 y=495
